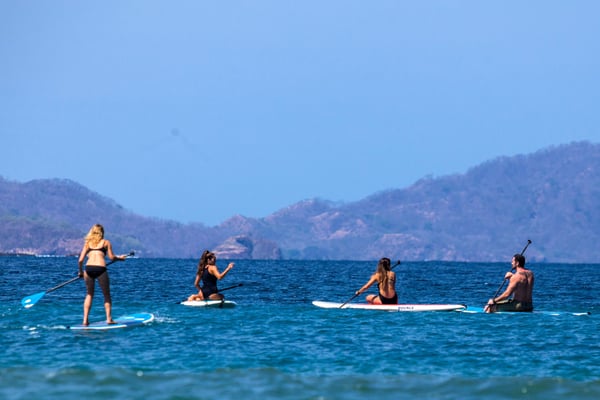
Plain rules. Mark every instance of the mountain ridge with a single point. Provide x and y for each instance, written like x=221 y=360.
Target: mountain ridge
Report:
x=486 y=214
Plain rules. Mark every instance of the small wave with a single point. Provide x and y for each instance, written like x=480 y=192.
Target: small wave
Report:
x=272 y=383
x=166 y=320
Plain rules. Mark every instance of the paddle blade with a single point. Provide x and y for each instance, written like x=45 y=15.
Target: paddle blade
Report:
x=30 y=301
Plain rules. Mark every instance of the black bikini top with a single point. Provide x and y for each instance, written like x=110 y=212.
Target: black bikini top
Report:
x=103 y=249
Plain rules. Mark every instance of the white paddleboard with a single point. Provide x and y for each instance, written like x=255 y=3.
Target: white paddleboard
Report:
x=478 y=310
x=209 y=303
x=126 y=321
x=392 y=307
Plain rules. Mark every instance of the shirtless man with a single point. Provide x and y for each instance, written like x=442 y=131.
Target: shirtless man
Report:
x=520 y=286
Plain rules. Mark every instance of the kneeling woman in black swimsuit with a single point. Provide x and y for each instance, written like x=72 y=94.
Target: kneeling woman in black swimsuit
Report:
x=96 y=248
x=208 y=274
x=386 y=281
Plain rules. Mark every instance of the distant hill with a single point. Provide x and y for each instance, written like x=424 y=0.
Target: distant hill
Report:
x=487 y=214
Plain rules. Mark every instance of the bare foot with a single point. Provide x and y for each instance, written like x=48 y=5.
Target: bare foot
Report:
x=111 y=322
x=85 y=323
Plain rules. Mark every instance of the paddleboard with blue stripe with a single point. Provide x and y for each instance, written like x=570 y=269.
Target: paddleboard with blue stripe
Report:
x=478 y=310
x=126 y=321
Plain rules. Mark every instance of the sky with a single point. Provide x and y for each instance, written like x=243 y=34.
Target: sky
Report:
x=197 y=111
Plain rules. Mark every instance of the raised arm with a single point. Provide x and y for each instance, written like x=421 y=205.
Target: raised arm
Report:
x=112 y=255
x=220 y=275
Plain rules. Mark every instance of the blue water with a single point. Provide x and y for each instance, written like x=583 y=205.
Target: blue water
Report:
x=276 y=344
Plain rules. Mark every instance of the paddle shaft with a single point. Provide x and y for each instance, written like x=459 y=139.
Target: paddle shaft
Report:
x=358 y=294
x=63 y=284
x=504 y=281
x=230 y=287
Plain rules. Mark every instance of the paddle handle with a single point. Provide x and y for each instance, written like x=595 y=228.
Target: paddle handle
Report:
x=526 y=246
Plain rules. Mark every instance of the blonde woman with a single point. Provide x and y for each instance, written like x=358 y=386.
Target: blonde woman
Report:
x=386 y=282
x=96 y=248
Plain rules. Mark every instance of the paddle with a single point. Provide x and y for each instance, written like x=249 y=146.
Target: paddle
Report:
x=504 y=281
x=29 y=301
x=356 y=295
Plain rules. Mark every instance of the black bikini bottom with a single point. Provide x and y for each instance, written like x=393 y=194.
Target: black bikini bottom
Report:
x=94 y=271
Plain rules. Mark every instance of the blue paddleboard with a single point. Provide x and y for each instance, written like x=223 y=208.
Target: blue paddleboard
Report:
x=477 y=310
x=126 y=321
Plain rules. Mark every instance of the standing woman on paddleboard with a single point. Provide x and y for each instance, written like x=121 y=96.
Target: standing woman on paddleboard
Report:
x=386 y=282
x=208 y=274
x=96 y=248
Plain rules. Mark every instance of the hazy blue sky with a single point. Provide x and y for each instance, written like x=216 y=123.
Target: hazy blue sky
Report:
x=199 y=110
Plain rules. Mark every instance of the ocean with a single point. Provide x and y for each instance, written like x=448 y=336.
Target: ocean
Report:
x=276 y=345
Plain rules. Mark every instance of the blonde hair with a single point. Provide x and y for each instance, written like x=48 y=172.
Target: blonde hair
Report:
x=95 y=235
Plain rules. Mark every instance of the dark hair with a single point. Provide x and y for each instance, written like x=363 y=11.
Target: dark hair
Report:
x=206 y=255
x=385 y=263
x=383 y=266
x=520 y=259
